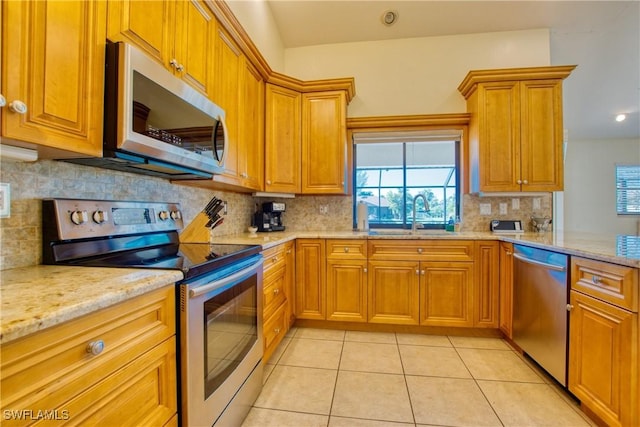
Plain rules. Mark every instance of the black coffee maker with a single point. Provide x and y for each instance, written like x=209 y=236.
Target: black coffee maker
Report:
x=270 y=217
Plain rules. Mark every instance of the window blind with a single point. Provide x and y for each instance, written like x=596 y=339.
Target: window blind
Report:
x=628 y=189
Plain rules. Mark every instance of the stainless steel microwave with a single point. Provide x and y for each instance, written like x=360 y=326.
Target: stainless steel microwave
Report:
x=155 y=123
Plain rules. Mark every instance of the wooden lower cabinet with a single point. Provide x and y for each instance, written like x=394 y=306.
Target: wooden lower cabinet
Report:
x=277 y=285
x=132 y=381
x=311 y=286
x=446 y=294
x=604 y=353
x=394 y=288
x=486 y=303
x=346 y=280
x=603 y=363
x=506 y=289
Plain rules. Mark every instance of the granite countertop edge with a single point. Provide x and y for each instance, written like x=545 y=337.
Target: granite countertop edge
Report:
x=39 y=297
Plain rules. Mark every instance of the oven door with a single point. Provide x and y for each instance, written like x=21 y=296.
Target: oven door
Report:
x=221 y=343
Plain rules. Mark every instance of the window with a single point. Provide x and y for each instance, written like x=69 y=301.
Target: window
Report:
x=390 y=170
x=628 y=189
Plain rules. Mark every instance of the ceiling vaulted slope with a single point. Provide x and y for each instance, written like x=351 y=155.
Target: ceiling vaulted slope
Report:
x=601 y=37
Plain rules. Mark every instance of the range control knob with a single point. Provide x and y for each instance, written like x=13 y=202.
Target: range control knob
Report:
x=176 y=215
x=100 y=217
x=79 y=217
x=163 y=215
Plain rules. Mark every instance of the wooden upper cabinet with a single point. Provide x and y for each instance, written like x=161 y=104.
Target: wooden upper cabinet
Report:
x=282 y=139
x=53 y=63
x=516 y=129
x=324 y=143
x=251 y=130
x=178 y=34
x=228 y=60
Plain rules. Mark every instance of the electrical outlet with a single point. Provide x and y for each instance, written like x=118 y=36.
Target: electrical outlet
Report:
x=485 y=208
x=503 y=208
x=515 y=204
x=536 y=203
x=224 y=209
x=324 y=209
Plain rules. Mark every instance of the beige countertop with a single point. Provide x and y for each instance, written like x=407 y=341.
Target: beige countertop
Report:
x=603 y=247
x=35 y=298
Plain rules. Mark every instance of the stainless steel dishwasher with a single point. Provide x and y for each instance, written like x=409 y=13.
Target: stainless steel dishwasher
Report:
x=540 y=316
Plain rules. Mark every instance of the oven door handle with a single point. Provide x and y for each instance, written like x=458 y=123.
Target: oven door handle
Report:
x=200 y=290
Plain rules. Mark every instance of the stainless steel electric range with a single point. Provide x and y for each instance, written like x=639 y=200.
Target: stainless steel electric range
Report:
x=219 y=299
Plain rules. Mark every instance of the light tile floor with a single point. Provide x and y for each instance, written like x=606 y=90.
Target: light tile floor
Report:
x=330 y=378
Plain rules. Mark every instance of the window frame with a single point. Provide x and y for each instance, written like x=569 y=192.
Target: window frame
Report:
x=455 y=173
x=622 y=207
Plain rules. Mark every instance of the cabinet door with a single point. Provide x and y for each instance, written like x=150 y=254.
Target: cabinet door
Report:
x=602 y=366
x=53 y=61
x=446 y=294
x=149 y=25
x=228 y=63
x=486 y=284
x=282 y=139
x=347 y=290
x=541 y=135
x=324 y=143
x=393 y=292
x=251 y=132
x=194 y=45
x=311 y=291
x=499 y=136
x=290 y=281
x=506 y=288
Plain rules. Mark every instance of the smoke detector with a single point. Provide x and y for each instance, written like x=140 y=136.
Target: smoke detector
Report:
x=389 y=17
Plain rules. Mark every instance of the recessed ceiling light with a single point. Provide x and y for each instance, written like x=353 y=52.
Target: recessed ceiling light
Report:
x=389 y=17
x=621 y=117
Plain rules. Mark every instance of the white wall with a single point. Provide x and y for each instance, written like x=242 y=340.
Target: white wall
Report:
x=257 y=20
x=590 y=196
x=417 y=75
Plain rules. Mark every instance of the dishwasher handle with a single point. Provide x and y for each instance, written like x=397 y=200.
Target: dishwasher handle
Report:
x=540 y=263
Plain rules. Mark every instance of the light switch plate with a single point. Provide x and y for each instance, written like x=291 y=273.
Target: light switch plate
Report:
x=503 y=208
x=5 y=200
x=536 y=203
x=485 y=208
x=515 y=204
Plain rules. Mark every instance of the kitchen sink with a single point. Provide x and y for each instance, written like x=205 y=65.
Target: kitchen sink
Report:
x=391 y=232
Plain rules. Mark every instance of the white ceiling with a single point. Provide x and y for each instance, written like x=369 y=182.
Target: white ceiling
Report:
x=602 y=37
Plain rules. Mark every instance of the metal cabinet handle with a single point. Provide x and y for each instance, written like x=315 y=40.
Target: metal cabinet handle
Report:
x=18 y=107
x=419 y=250
x=288 y=251
x=422 y=272
x=364 y=270
x=276 y=330
x=346 y=249
x=179 y=67
x=569 y=307
x=519 y=182
x=276 y=291
x=418 y=272
x=268 y=182
x=95 y=347
x=596 y=280
x=3 y=101
x=525 y=182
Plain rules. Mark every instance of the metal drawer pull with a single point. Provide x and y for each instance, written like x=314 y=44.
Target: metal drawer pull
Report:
x=277 y=331
x=596 y=280
x=569 y=307
x=346 y=249
x=275 y=291
x=419 y=250
x=95 y=347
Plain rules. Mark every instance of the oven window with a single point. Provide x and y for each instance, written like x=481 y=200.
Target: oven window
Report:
x=231 y=329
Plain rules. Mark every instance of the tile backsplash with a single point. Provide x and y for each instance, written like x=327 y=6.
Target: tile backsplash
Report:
x=21 y=233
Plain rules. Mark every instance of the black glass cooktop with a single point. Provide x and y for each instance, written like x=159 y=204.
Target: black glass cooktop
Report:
x=193 y=259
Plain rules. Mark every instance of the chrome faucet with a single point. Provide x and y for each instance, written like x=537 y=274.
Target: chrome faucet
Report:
x=414 y=226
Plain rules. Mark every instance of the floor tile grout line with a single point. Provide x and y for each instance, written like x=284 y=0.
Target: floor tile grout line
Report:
x=406 y=383
x=475 y=381
x=335 y=383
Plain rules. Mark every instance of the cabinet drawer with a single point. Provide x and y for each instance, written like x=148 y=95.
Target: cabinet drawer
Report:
x=274 y=290
x=346 y=249
x=275 y=327
x=273 y=258
x=48 y=368
x=421 y=250
x=613 y=283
